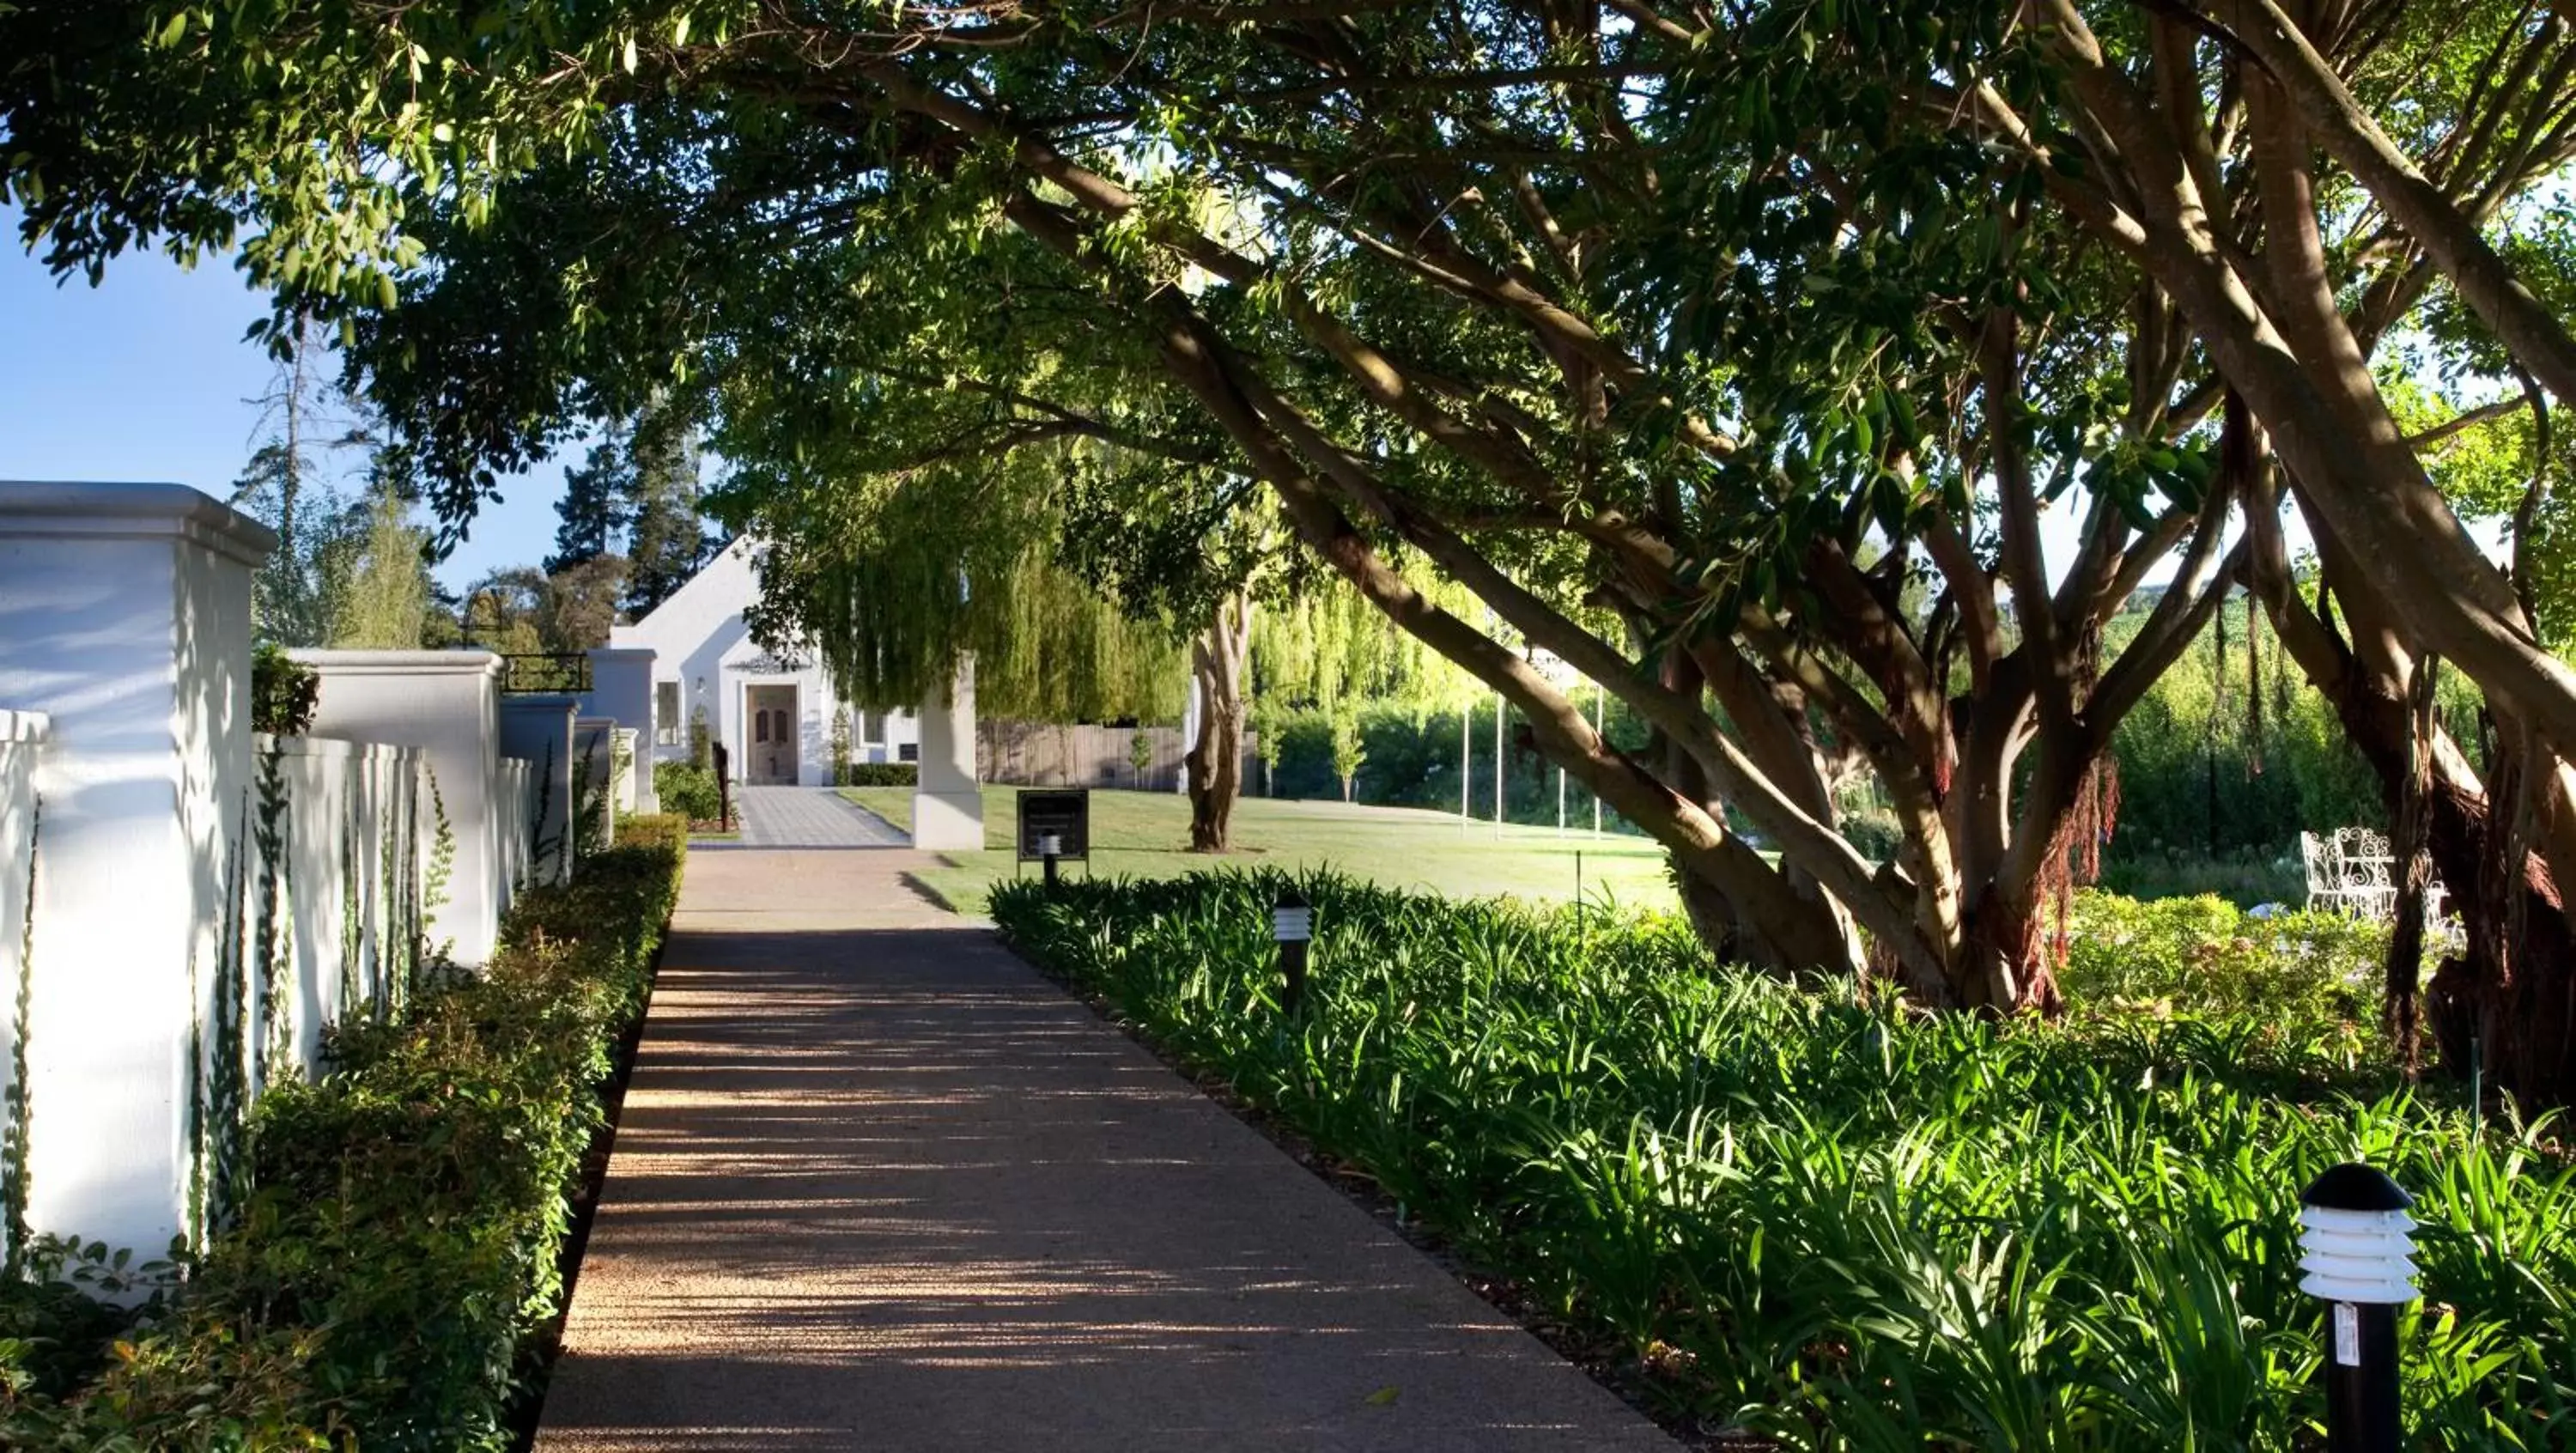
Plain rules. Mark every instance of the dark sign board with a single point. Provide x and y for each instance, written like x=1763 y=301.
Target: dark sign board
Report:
x=1064 y=811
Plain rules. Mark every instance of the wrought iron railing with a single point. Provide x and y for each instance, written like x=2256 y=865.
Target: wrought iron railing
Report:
x=551 y=671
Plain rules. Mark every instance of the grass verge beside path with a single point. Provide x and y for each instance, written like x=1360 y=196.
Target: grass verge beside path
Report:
x=1146 y=835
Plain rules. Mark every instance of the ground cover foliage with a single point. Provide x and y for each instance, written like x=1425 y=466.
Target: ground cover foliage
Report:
x=1850 y=1225
x=381 y=1285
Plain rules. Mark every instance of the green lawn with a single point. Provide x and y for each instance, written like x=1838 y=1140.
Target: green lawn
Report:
x=1146 y=835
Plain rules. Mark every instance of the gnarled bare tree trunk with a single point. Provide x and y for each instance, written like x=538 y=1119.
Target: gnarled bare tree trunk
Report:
x=1215 y=760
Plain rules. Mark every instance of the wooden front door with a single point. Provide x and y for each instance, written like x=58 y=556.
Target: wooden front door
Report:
x=772 y=734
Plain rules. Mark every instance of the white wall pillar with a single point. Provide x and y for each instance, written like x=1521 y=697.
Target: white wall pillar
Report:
x=125 y=618
x=947 y=803
x=446 y=703
x=1193 y=722
x=537 y=729
x=621 y=687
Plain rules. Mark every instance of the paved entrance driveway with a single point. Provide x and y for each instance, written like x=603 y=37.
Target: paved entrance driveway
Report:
x=880 y=1187
x=810 y=817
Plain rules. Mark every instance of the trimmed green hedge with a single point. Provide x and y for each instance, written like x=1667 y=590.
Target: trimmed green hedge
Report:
x=881 y=774
x=383 y=1284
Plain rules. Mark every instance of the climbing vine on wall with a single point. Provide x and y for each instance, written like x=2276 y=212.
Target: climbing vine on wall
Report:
x=15 y=1182
x=441 y=868
x=410 y=933
x=541 y=846
x=272 y=1049
x=355 y=980
x=195 y=1126
x=588 y=797
x=398 y=961
x=221 y=1094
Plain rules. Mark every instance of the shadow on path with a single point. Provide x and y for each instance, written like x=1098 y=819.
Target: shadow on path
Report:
x=884 y=1187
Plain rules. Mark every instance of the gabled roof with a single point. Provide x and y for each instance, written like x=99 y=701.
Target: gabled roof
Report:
x=721 y=590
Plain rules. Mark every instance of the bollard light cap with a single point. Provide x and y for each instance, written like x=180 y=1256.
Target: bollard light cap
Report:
x=2356 y=1187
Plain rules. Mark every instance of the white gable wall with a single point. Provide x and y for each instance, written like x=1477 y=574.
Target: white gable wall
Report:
x=699 y=641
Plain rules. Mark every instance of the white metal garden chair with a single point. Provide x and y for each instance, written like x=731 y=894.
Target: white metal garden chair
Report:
x=2369 y=873
x=2322 y=858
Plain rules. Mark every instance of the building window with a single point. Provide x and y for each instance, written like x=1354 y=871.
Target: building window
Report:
x=760 y=726
x=666 y=713
x=908 y=752
x=875 y=727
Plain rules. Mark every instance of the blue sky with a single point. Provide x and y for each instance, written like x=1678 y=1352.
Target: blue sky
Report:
x=146 y=377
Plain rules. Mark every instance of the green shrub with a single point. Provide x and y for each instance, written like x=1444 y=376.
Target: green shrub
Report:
x=283 y=692
x=401 y=1242
x=687 y=790
x=1844 y=1223
x=1874 y=831
x=2310 y=974
x=882 y=774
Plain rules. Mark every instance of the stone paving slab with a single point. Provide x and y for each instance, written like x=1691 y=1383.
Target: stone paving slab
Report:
x=810 y=817
x=878 y=1185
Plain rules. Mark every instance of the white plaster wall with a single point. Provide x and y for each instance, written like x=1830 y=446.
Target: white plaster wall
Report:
x=538 y=730
x=354 y=858
x=447 y=704
x=689 y=635
x=635 y=784
x=514 y=798
x=621 y=688
x=125 y=618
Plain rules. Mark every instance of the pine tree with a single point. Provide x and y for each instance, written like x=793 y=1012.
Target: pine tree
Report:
x=598 y=501
x=666 y=543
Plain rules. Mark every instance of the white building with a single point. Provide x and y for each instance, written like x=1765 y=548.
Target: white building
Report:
x=774 y=717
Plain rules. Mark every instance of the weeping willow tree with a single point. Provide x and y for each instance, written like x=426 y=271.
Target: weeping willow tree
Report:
x=1318 y=646
x=898 y=581
x=893 y=623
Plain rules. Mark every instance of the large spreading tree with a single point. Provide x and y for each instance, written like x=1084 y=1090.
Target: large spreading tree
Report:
x=1859 y=361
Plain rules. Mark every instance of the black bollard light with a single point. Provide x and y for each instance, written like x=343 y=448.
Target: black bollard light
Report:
x=1050 y=848
x=1292 y=923
x=2359 y=1260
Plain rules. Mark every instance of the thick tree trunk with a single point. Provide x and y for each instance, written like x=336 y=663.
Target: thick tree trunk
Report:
x=2009 y=967
x=1215 y=760
x=2513 y=992
x=2514 y=989
x=1729 y=936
